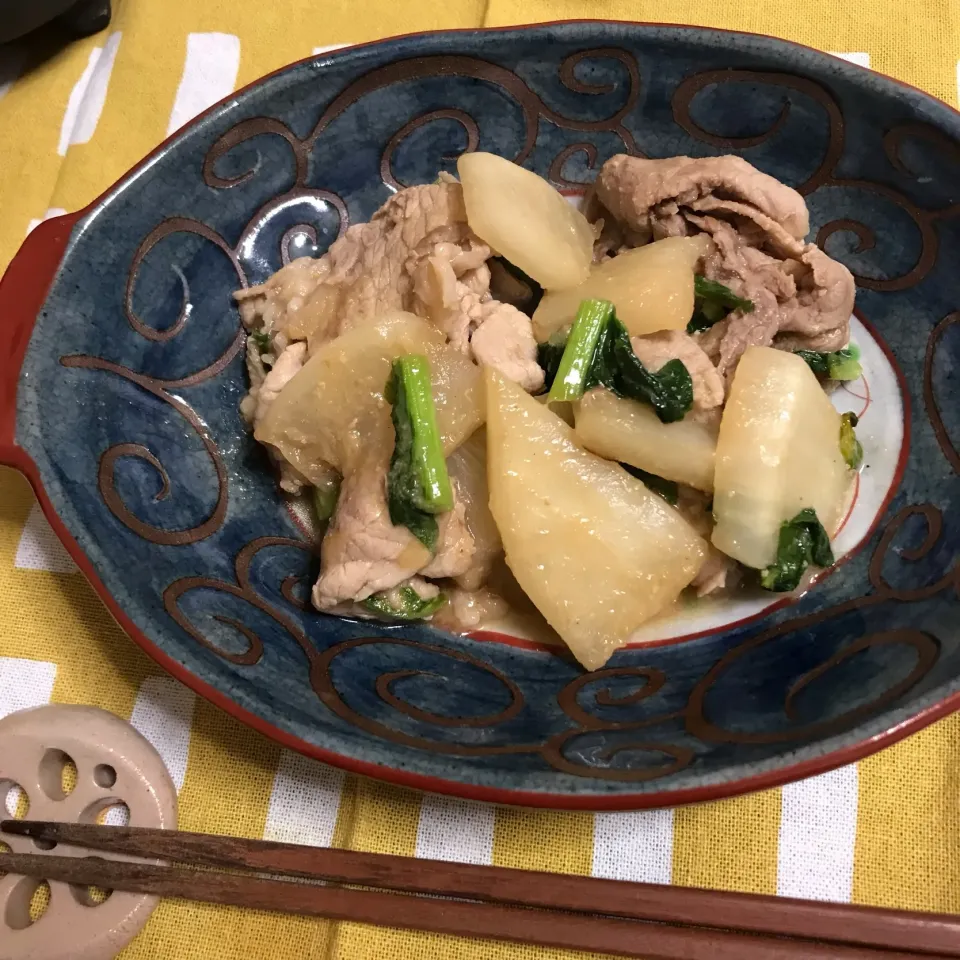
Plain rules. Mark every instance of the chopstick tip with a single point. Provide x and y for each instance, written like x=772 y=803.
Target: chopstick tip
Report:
x=23 y=828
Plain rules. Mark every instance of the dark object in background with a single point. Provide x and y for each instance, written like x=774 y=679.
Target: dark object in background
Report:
x=79 y=18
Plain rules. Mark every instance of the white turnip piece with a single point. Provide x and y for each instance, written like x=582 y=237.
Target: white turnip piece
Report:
x=339 y=392
x=631 y=432
x=651 y=288
x=778 y=453
x=596 y=552
x=523 y=218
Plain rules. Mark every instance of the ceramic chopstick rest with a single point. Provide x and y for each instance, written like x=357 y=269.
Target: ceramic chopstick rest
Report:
x=114 y=765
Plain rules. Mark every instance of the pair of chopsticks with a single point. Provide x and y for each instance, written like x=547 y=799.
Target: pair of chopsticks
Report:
x=524 y=906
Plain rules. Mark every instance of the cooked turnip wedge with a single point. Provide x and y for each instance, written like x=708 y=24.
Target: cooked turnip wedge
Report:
x=778 y=452
x=596 y=552
x=525 y=220
x=632 y=433
x=651 y=288
x=342 y=384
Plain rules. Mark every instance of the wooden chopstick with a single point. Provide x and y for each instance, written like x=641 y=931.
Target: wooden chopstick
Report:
x=717 y=915
x=574 y=931
x=776 y=916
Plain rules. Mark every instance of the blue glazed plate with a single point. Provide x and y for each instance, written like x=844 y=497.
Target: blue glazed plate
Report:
x=123 y=375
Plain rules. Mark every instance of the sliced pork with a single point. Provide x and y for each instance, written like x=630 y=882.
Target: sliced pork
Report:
x=273 y=307
x=452 y=289
x=364 y=553
x=647 y=195
x=267 y=382
x=802 y=298
x=416 y=253
x=504 y=340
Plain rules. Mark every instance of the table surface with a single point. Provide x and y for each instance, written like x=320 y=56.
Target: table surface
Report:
x=885 y=831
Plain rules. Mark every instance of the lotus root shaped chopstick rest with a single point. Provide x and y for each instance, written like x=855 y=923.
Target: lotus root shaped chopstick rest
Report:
x=115 y=767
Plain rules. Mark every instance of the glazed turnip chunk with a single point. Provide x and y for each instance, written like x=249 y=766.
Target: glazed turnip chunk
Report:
x=651 y=288
x=596 y=552
x=523 y=218
x=778 y=453
x=322 y=414
x=631 y=432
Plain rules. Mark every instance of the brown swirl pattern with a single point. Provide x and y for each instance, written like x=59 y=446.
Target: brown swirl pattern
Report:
x=532 y=106
x=697 y=722
x=926 y=646
x=469 y=125
x=556 y=168
x=825 y=174
x=165 y=229
x=680 y=757
x=929 y=397
x=689 y=88
x=263 y=215
x=242 y=589
x=329 y=695
x=108 y=461
x=933 y=521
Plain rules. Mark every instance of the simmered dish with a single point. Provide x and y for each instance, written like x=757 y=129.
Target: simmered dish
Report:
x=494 y=398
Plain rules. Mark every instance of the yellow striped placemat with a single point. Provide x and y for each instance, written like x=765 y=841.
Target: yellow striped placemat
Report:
x=884 y=831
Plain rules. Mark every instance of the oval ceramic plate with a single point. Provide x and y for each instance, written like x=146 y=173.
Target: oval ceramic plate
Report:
x=124 y=372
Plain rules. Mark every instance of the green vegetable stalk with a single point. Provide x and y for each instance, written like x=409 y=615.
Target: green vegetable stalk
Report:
x=841 y=365
x=261 y=339
x=580 y=352
x=418 y=486
x=404 y=604
x=712 y=302
x=599 y=353
x=845 y=363
x=850 y=446
x=325 y=496
x=802 y=542
x=668 y=489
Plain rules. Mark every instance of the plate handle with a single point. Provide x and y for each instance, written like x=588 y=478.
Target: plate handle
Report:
x=23 y=291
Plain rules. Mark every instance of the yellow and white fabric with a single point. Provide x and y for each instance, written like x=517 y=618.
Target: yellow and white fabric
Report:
x=886 y=831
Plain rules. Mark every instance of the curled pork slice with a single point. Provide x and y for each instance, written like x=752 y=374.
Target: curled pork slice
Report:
x=450 y=280
x=656 y=349
x=504 y=340
x=802 y=298
x=366 y=275
x=820 y=318
x=752 y=274
x=265 y=386
x=364 y=553
x=451 y=283
x=647 y=194
x=272 y=307
x=266 y=383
